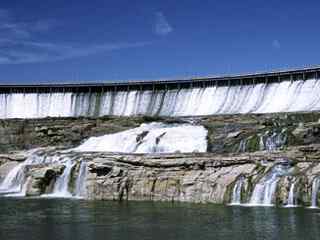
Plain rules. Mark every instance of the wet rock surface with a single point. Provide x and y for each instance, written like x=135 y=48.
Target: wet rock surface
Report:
x=226 y=133
x=243 y=151
x=194 y=177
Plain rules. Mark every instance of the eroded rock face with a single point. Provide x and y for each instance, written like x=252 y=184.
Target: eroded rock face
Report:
x=178 y=177
x=40 y=179
x=226 y=133
x=194 y=177
x=236 y=146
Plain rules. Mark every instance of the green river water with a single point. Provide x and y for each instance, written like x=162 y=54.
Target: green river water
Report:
x=61 y=219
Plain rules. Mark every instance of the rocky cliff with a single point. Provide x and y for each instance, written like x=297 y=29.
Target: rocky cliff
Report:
x=193 y=177
x=226 y=133
x=251 y=159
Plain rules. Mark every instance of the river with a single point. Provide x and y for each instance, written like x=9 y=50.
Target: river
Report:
x=83 y=220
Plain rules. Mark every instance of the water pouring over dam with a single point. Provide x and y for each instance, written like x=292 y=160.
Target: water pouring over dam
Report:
x=256 y=93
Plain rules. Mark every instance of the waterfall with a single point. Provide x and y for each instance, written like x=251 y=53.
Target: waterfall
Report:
x=242 y=146
x=80 y=190
x=236 y=192
x=16 y=178
x=148 y=138
x=61 y=187
x=285 y=96
x=314 y=193
x=16 y=181
x=291 y=197
x=273 y=141
x=265 y=189
x=151 y=138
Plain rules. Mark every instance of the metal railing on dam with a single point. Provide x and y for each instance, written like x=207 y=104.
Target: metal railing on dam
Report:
x=232 y=80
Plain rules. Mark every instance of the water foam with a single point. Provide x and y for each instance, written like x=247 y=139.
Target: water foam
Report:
x=150 y=138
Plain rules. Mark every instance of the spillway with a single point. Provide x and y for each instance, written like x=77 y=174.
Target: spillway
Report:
x=193 y=98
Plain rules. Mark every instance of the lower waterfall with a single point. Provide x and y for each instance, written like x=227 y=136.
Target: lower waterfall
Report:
x=236 y=192
x=285 y=96
x=291 y=197
x=61 y=187
x=264 y=191
x=15 y=181
x=148 y=138
x=80 y=190
x=314 y=192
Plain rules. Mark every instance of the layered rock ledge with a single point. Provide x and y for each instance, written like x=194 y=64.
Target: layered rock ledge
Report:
x=196 y=177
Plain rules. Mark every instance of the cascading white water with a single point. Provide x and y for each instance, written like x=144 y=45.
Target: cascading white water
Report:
x=265 y=189
x=80 y=190
x=273 y=141
x=236 y=192
x=15 y=180
x=285 y=96
x=315 y=191
x=242 y=146
x=291 y=197
x=148 y=138
x=151 y=138
x=61 y=187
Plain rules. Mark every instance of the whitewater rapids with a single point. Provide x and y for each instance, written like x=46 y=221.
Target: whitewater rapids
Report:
x=151 y=138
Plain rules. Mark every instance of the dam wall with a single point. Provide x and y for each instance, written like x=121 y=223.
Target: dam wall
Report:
x=287 y=91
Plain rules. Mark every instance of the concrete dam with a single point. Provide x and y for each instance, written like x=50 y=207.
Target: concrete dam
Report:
x=281 y=91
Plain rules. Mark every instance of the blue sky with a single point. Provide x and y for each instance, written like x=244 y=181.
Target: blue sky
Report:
x=100 y=40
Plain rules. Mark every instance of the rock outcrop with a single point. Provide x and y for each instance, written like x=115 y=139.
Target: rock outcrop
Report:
x=226 y=133
x=194 y=177
x=272 y=158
